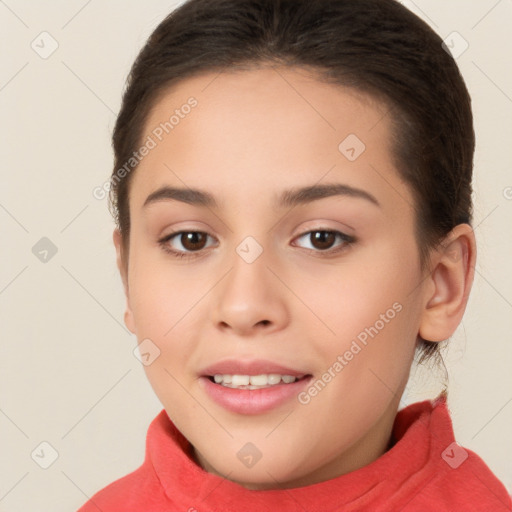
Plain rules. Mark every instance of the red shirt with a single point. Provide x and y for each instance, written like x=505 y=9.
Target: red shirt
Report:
x=425 y=470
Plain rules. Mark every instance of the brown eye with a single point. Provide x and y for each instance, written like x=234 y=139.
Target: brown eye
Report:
x=325 y=240
x=322 y=239
x=185 y=243
x=194 y=240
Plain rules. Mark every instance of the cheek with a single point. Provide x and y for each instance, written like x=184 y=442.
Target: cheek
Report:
x=373 y=318
x=364 y=294
x=161 y=294
x=167 y=308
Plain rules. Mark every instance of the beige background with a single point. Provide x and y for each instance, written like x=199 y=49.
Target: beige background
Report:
x=68 y=376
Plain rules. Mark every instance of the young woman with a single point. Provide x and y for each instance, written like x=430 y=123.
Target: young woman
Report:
x=292 y=191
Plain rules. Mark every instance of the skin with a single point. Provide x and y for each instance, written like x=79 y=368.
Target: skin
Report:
x=254 y=134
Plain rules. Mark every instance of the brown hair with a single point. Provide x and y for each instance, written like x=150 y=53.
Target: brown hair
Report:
x=375 y=46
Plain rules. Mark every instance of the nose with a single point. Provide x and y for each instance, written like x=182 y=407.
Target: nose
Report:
x=250 y=300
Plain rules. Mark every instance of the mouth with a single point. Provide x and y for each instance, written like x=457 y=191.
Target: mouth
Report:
x=252 y=387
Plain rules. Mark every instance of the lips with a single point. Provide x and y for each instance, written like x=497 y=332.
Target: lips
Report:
x=217 y=382
x=253 y=367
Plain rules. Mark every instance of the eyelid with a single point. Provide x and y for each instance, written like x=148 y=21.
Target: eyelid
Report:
x=326 y=225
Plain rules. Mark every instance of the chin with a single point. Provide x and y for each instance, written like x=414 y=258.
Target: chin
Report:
x=266 y=479
x=256 y=473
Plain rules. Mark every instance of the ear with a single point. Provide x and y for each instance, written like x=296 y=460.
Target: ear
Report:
x=448 y=285
x=123 y=270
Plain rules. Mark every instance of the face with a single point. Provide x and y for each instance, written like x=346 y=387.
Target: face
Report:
x=272 y=236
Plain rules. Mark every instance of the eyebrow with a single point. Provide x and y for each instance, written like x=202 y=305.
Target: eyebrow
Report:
x=288 y=198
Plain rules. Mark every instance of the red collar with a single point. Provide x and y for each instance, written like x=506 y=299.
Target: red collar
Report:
x=421 y=432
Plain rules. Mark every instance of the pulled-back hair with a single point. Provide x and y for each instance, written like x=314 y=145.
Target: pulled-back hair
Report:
x=377 y=47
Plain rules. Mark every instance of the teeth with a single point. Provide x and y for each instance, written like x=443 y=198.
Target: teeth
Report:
x=259 y=380
x=274 y=378
x=240 y=380
x=253 y=381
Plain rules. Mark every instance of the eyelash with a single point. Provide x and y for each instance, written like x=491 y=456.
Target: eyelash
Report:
x=346 y=239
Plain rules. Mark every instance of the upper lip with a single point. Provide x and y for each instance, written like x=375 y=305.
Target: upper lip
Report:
x=249 y=367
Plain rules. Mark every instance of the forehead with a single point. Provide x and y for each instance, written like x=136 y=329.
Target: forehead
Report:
x=272 y=96
x=263 y=128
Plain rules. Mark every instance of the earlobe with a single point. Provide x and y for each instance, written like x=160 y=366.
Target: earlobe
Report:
x=123 y=270
x=448 y=285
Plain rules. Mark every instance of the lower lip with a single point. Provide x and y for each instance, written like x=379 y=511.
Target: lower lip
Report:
x=253 y=401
